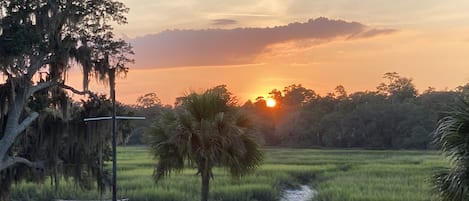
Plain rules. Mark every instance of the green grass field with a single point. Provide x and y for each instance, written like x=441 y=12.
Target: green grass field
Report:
x=338 y=175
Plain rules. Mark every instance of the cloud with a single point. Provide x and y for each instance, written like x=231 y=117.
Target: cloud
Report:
x=372 y=33
x=245 y=14
x=219 y=47
x=221 y=22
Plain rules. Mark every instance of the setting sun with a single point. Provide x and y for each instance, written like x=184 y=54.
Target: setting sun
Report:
x=270 y=102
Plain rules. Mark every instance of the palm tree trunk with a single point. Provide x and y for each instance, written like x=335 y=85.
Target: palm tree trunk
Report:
x=205 y=183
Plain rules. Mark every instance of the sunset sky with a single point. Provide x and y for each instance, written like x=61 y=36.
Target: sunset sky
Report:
x=183 y=45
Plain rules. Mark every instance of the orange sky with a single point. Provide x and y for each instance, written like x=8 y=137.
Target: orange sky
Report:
x=184 y=45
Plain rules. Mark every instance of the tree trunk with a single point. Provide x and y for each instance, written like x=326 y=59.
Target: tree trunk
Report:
x=205 y=183
x=5 y=196
x=10 y=131
x=319 y=136
x=5 y=192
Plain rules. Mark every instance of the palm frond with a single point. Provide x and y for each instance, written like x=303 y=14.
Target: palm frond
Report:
x=206 y=130
x=452 y=135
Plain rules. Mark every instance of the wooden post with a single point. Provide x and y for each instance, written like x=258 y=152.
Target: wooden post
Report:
x=112 y=81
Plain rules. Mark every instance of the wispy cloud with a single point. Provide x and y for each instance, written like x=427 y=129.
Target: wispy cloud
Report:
x=222 y=22
x=237 y=46
x=247 y=14
x=372 y=33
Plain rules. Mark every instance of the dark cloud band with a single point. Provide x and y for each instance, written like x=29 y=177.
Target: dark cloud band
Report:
x=237 y=46
x=221 y=22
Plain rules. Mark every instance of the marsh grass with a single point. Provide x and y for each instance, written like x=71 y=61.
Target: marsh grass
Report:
x=338 y=175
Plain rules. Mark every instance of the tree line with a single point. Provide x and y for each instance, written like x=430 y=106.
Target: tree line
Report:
x=394 y=116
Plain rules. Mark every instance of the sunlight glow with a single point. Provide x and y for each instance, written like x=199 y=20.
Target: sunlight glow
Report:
x=270 y=102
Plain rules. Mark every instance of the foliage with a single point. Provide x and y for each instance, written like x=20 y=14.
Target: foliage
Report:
x=41 y=40
x=148 y=100
x=207 y=130
x=69 y=147
x=452 y=136
x=150 y=107
x=399 y=88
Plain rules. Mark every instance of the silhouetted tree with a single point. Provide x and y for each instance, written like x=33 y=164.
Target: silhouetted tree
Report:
x=296 y=95
x=398 y=88
x=42 y=38
x=150 y=107
x=208 y=131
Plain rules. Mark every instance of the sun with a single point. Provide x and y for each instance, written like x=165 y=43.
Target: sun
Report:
x=270 y=102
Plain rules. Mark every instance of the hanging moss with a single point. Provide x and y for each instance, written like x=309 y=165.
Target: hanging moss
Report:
x=71 y=148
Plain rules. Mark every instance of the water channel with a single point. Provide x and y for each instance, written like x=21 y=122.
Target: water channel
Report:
x=304 y=193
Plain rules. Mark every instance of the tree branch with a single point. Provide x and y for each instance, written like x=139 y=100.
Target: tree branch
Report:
x=10 y=161
x=26 y=122
x=75 y=91
x=44 y=85
x=41 y=86
x=36 y=65
x=36 y=164
x=13 y=129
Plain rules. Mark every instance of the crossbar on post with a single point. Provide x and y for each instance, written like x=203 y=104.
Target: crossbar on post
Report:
x=114 y=117
x=110 y=118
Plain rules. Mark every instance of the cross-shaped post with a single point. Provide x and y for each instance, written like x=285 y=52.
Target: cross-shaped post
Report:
x=113 y=117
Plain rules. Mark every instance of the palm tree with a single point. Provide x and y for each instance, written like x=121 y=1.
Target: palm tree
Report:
x=452 y=135
x=207 y=130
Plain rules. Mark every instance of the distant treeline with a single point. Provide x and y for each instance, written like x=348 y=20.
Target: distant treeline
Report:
x=394 y=116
